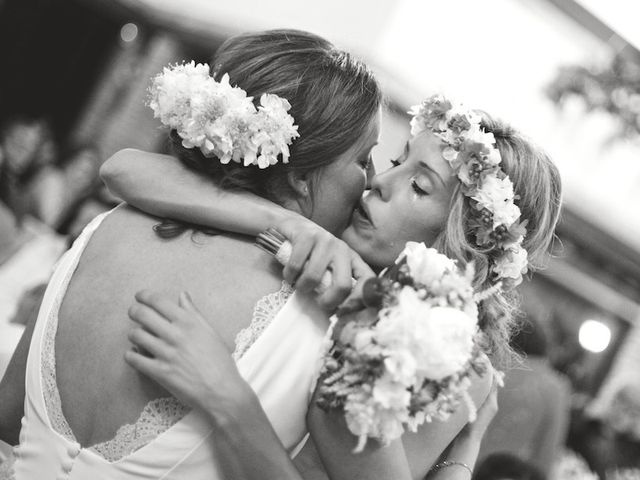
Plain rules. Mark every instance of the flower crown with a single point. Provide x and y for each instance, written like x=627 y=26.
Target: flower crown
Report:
x=475 y=160
x=220 y=119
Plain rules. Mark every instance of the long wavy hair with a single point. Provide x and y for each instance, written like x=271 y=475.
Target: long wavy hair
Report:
x=537 y=184
x=334 y=97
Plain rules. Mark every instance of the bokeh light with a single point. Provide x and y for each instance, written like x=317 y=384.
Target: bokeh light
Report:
x=594 y=336
x=129 y=32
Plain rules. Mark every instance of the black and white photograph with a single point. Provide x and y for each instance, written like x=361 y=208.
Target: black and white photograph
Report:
x=304 y=240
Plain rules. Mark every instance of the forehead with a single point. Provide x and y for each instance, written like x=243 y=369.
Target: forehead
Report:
x=427 y=148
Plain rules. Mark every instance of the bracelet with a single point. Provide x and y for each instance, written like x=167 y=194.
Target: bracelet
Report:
x=451 y=463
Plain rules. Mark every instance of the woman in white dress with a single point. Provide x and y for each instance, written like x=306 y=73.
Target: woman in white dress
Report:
x=418 y=199
x=75 y=408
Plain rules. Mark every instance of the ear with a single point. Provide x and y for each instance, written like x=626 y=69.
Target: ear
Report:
x=299 y=183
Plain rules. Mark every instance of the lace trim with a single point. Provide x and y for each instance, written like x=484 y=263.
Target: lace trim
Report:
x=156 y=417
x=263 y=313
x=7 y=471
x=159 y=414
x=51 y=393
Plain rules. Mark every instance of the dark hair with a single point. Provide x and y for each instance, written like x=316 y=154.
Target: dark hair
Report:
x=333 y=98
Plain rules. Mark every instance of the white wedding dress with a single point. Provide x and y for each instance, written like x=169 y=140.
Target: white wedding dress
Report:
x=278 y=354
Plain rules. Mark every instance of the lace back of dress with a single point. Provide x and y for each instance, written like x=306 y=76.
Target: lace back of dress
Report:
x=263 y=313
x=160 y=414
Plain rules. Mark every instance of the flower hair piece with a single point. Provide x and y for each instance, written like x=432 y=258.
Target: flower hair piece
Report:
x=475 y=160
x=220 y=119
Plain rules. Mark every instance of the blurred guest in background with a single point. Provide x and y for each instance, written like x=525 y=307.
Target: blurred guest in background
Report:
x=535 y=405
x=36 y=181
x=68 y=185
x=610 y=440
x=506 y=466
x=28 y=247
x=99 y=200
x=27 y=147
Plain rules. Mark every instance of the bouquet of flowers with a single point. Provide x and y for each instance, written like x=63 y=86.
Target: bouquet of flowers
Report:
x=411 y=363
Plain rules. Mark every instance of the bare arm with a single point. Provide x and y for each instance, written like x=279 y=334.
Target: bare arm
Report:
x=413 y=457
x=246 y=442
x=335 y=444
x=188 y=358
x=12 y=387
x=463 y=452
x=162 y=186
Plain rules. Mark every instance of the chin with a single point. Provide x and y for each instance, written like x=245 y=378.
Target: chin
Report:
x=351 y=237
x=362 y=245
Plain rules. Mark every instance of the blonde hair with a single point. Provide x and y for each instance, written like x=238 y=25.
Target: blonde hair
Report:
x=537 y=185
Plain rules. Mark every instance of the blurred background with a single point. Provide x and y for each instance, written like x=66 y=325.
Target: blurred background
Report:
x=73 y=82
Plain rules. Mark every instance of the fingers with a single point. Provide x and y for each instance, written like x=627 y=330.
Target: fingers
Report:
x=339 y=289
x=145 y=365
x=489 y=407
x=359 y=268
x=300 y=251
x=161 y=304
x=353 y=302
x=151 y=320
x=317 y=264
x=148 y=342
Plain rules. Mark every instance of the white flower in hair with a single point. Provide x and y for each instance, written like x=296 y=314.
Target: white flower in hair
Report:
x=221 y=120
x=476 y=161
x=513 y=264
x=494 y=193
x=505 y=214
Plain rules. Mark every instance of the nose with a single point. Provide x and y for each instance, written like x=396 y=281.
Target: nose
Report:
x=371 y=173
x=380 y=184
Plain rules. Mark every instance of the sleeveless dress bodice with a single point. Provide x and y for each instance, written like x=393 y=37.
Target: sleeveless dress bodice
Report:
x=278 y=358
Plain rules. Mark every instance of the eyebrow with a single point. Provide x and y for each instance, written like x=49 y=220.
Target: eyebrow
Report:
x=424 y=165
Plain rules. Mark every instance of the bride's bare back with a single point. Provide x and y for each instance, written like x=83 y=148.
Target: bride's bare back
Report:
x=224 y=275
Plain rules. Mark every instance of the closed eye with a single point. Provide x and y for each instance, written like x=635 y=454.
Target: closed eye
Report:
x=416 y=188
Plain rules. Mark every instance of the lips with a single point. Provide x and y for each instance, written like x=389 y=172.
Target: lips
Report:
x=362 y=215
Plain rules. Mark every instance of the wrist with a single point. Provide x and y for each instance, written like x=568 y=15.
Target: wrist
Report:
x=278 y=216
x=464 y=451
x=232 y=408
x=453 y=464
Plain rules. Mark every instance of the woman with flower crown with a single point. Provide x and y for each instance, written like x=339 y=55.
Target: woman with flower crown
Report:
x=376 y=230
x=466 y=184
x=69 y=400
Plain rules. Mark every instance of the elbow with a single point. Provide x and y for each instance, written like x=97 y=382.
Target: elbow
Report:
x=115 y=169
